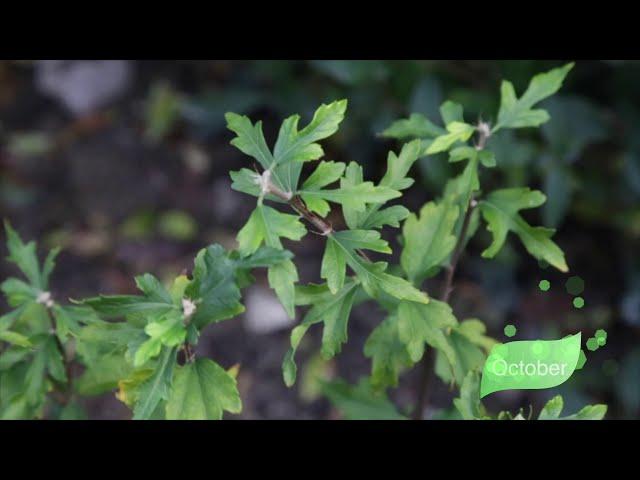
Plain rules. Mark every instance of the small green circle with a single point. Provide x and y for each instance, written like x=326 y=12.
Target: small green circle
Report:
x=544 y=285
x=574 y=285
x=600 y=333
x=592 y=344
x=578 y=302
x=602 y=341
x=510 y=330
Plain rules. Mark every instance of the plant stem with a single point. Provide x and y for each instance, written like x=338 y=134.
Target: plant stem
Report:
x=427 y=364
x=189 y=354
x=296 y=203
x=323 y=225
x=428 y=360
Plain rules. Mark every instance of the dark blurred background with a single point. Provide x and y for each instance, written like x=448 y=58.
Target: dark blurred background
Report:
x=125 y=165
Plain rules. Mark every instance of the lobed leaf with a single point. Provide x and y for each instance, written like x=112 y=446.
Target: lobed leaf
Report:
x=500 y=211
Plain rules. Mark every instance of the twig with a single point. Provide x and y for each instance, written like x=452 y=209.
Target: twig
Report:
x=297 y=204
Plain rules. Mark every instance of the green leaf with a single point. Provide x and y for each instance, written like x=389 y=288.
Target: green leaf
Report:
x=263 y=257
x=474 y=330
x=317 y=205
x=152 y=288
x=395 y=179
x=391 y=216
x=416 y=126
x=361 y=401
x=8 y=319
x=334 y=265
x=451 y=112
x=202 y=390
x=518 y=113
x=389 y=355
x=372 y=275
x=114 y=306
x=15 y=402
x=553 y=409
x=374 y=280
x=500 y=211
x=342 y=248
x=282 y=278
x=457 y=132
x=103 y=375
x=13 y=355
x=333 y=310
x=48 y=266
x=250 y=139
x=267 y=225
x=18 y=292
x=459 y=189
x=590 y=412
x=35 y=376
x=214 y=289
x=168 y=330
x=293 y=147
x=156 y=388
x=289 y=368
x=419 y=324
x=346 y=243
x=353 y=196
x=247 y=181
x=487 y=158
x=24 y=256
x=468 y=404
x=325 y=174
x=464 y=152
x=14 y=338
x=469 y=345
x=66 y=322
x=428 y=240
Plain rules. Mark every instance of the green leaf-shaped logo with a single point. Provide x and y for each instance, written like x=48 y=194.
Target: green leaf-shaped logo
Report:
x=531 y=364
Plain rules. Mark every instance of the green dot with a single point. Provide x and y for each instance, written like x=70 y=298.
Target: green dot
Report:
x=574 y=285
x=544 y=285
x=510 y=330
x=578 y=302
x=592 y=344
x=600 y=333
x=602 y=341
